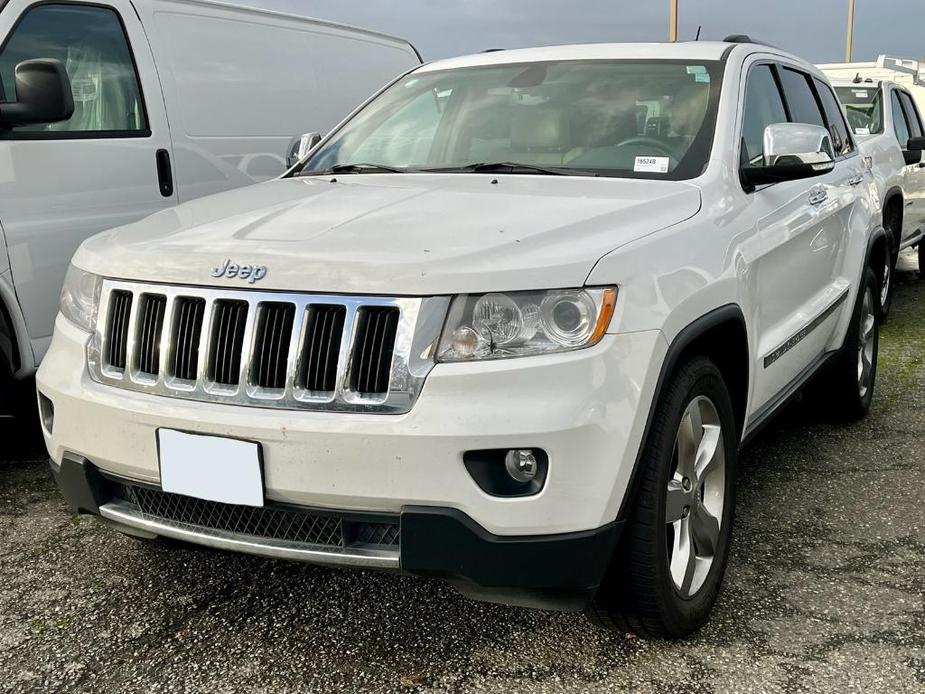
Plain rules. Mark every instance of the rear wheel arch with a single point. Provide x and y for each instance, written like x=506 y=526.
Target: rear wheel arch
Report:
x=893 y=215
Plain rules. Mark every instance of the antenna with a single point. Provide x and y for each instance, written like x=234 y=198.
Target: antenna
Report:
x=699 y=27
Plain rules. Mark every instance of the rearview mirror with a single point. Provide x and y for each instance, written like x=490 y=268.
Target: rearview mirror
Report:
x=916 y=144
x=791 y=151
x=912 y=154
x=43 y=94
x=301 y=146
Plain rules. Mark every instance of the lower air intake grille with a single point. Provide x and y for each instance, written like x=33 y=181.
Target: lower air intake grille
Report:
x=268 y=522
x=151 y=324
x=121 y=308
x=372 y=352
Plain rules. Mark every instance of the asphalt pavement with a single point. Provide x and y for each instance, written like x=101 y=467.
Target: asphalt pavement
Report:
x=824 y=591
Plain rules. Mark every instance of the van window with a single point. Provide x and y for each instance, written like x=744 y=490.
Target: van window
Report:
x=763 y=107
x=899 y=120
x=864 y=108
x=91 y=43
x=912 y=115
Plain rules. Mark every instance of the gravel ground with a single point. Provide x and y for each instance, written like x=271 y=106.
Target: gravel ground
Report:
x=824 y=591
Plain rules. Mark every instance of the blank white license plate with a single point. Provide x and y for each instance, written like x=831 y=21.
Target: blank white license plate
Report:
x=210 y=467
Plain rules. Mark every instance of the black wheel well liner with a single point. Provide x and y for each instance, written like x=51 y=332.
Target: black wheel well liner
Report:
x=893 y=200
x=9 y=348
x=876 y=248
x=721 y=335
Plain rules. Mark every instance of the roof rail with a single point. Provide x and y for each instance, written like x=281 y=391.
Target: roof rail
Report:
x=745 y=38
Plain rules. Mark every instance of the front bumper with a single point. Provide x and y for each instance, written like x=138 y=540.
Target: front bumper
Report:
x=554 y=571
x=586 y=409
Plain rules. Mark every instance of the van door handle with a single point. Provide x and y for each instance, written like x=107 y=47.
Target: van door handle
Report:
x=164 y=173
x=856 y=180
x=818 y=197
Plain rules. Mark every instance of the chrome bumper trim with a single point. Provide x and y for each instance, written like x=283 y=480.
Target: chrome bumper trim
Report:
x=129 y=516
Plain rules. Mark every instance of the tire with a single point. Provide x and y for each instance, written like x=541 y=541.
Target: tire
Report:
x=922 y=259
x=847 y=387
x=644 y=591
x=887 y=275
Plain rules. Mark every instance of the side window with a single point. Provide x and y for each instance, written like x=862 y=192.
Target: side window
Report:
x=835 y=117
x=800 y=98
x=900 y=127
x=763 y=107
x=912 y=115
x=91 y=42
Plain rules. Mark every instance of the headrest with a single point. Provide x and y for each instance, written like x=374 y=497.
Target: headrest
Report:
x=540 y=128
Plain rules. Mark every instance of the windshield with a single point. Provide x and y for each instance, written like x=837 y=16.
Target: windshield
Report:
x=650 y=119
x=864 y=108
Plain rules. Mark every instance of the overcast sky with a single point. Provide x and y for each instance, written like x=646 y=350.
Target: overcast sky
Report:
x=813 y=29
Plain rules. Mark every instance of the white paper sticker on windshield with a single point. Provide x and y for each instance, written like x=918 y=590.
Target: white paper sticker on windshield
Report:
x=862 y=131
x=860 y=92
x=651 y=164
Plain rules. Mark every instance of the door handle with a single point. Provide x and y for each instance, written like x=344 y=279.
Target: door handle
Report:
x=856 y=180
x=818 y=197
x=164 y=173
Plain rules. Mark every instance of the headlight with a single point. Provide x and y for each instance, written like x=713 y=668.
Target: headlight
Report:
x=518 y=324
x=80 y=297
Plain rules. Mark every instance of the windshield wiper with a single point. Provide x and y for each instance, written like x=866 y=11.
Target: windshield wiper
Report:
x=354 y=168
x=513 y=167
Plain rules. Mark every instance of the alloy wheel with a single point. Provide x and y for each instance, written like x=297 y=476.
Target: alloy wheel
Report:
x=695 y=496
x=866 y=338
x=885 y=282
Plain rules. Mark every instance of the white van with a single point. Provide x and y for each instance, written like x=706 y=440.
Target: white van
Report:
x=170 y=100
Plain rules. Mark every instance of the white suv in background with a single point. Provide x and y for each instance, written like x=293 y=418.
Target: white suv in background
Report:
x=509 y=325
x=887 y=123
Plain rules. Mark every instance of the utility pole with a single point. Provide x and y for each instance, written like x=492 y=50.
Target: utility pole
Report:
x=673 y=20
x=849 y=39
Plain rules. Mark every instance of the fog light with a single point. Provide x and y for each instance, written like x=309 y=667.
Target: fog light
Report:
x=521 y=464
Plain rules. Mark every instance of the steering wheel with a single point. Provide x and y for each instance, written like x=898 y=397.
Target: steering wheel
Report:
x=648 y=142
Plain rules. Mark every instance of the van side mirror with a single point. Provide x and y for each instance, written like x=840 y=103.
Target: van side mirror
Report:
x=301 y=146
x=912 y=154
x=791 y=151
x=43 y=94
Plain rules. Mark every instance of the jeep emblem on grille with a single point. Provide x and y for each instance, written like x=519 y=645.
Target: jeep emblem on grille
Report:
x=251 y=273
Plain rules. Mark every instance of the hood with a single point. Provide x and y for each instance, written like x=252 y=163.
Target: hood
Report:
x=394 y=234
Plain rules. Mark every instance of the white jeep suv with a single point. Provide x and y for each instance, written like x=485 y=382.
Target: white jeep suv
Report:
x=889 y=128
x=509 y=324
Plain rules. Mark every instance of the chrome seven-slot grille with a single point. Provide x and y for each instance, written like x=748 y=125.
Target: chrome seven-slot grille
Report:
x=268 y=349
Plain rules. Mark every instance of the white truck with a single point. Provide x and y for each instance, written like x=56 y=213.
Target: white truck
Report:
x=509 y=325
x=114 y=109
x=884 y=101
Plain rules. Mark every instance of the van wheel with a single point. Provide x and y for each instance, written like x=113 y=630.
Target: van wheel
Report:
x=847 y=387
x=666 y=576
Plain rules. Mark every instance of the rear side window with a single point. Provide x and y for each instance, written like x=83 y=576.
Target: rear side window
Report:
x=800 y=98
x=763 y=107
x=900 y=127
x=838 y=128
x=91 y=43
x=912 y=115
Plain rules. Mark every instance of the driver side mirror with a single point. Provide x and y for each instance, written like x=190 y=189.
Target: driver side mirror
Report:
x=792 y=151
x=43 y=94
x=912 y=154
x=301 y=146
